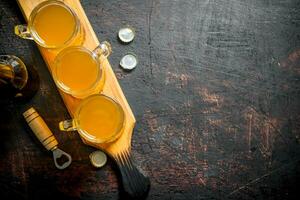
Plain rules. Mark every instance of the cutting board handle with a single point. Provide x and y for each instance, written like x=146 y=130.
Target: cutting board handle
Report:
x=134 y=182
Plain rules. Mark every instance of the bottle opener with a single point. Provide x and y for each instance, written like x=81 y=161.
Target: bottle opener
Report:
x=46 y=137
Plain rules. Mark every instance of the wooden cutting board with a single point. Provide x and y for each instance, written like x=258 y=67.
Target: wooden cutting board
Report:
x=111 y=87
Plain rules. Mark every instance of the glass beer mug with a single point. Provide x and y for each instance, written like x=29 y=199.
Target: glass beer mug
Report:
x=98 y=119
x=79 y=71
x=52 y=24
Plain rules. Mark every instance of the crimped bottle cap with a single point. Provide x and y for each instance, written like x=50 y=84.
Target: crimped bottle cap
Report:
x=98 y=158
x=126 y=34
x=129 y=61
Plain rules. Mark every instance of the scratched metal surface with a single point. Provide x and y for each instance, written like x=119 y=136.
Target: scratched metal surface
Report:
x=216 y=97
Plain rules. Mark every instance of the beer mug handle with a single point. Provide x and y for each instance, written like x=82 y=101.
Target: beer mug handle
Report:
x=67 y=125
x=103 y=49
x=23 y=32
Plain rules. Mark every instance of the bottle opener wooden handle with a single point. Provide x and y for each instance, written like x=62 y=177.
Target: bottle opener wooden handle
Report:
x=45 y=136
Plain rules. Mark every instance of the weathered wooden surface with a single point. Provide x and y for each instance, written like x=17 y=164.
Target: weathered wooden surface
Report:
x=216 y=98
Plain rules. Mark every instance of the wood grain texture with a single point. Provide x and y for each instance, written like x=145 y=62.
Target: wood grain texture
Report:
x=215 y=95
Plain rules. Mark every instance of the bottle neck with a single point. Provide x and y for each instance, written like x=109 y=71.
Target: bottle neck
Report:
x=6 y=73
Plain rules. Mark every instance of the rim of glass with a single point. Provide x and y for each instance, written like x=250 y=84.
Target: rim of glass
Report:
x=36 y=36
x=66 y=89
x=89 y=136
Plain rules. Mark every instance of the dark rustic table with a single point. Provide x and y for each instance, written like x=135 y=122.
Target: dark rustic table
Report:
x=216 y=96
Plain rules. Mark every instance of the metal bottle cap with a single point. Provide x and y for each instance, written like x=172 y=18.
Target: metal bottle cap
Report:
x=126 y=34
x=129 y=61
x=98 y=158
